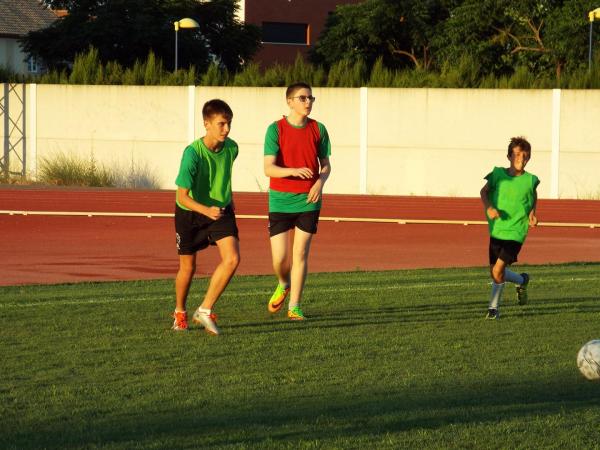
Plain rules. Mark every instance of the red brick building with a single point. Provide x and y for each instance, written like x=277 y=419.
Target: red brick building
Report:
x=289 y=26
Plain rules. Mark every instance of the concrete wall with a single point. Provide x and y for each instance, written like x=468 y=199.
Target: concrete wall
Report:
x=444 y=141
x=580 y=144
x=437 y=142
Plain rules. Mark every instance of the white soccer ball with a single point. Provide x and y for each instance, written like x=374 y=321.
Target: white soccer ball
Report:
x=588 y=360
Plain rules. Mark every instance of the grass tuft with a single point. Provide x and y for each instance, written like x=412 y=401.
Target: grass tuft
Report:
x=63 y=169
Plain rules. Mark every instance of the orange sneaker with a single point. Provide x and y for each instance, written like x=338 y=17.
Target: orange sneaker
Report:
x=278 y=298
x=180 y=321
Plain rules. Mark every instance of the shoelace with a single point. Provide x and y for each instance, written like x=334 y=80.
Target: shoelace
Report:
x=181 y=319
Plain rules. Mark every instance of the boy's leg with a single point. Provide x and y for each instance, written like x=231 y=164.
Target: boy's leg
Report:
x=229 y=250
x=301 y=250
x=508 y=254
x=230 y=259
x=183 y=281
x=513 y=277
x=497 y=273
x=280 y=253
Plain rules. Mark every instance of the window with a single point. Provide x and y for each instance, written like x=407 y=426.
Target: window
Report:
x=32 y=65
x=285 y=33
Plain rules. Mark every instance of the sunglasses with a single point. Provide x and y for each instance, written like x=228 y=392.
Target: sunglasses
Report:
x=305 y=98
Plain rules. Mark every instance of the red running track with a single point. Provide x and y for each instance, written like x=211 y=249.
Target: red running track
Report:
x=56 y=249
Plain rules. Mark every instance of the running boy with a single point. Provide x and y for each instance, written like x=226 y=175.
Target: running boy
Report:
x=509 y=198
x=204 y=214
x=296 y=158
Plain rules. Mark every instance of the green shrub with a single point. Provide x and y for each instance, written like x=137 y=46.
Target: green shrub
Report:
x=345 y=73
x=214 y=77
x=381 y=76
x=63 y=169
x=8 y=75
x=250 y=76
x=87 y=69
x=464 y=73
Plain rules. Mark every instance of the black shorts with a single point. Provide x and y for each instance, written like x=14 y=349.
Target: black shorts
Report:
x=195 y=231
x=507 y=251
x=281 y=222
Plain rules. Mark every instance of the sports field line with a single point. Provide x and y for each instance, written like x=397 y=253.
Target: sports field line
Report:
x=263 y=217
x=266 y=293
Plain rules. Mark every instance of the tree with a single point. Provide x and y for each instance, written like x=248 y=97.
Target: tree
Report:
x=399 y=32
x=127 y=30
x=567 y=34
x=502 y=35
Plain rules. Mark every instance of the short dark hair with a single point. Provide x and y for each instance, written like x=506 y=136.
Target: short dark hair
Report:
x=216 y=106
x=520 y=142
x=292 y=88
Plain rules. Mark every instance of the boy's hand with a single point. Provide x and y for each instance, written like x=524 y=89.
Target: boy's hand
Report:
x=532 y=219
x=493 y=213
x=314 y=195
x=214 y=212
x=302 y=172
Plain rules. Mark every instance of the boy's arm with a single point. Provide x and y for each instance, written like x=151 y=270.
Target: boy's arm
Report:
x=491 y=212
x=272 y=170
x=316 y=191
x=532 y=217
x=213 y=212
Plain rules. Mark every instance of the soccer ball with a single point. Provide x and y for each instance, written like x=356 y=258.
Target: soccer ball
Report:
x=588 y=360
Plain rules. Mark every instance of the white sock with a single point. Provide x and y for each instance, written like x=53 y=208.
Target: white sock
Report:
x=496 y=295
x=513 y=277
x=205 y=311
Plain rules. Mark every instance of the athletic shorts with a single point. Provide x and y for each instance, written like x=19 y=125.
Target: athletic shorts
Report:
x=507 y=251
x=195 y=231
x=281 y=222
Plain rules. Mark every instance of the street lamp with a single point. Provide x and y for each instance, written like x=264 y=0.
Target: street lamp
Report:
x=595 y=14
x=183 y=23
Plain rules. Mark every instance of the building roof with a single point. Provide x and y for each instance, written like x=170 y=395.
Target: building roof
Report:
x=19 y=17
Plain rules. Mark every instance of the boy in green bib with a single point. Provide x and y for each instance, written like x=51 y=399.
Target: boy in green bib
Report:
x=204 y=214
x=509 y=198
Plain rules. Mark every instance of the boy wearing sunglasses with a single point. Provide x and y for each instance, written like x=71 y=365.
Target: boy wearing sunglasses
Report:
x=296 y=158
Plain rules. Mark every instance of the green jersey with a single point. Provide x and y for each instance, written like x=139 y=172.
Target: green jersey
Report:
x=514 y=198
x=207 y=174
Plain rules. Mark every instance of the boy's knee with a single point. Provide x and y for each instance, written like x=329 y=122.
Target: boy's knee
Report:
x=497 y=274
x=280 y=261
x=300 y=255
x=232 y=261
x=187 y=268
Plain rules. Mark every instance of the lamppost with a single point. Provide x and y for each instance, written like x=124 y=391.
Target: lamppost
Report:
x=183 y=23
x=595 y=14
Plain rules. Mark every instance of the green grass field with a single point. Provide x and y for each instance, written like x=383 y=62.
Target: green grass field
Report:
x=399 y=359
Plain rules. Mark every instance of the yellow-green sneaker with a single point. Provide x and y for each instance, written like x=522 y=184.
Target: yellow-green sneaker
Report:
x=296 y=313
x=278 y=298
